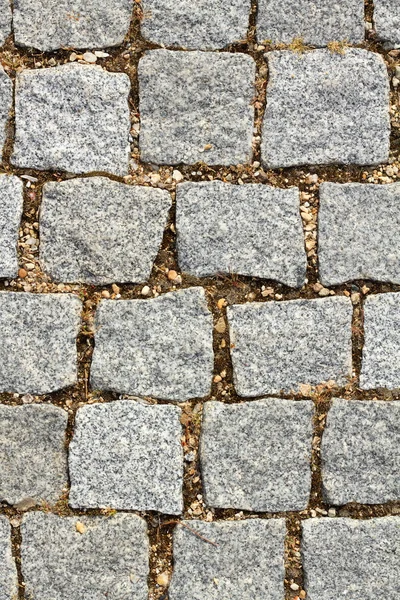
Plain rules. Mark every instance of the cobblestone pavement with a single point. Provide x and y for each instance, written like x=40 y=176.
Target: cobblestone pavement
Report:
x=200 y=300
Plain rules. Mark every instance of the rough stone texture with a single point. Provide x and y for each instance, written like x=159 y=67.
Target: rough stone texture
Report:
x=197 y=24
x=359 y=236
x=52 y=24
x=8 y=571
x=276 y=346
x=11 y=202
x=256 y=456
x=361 y=452
x=387 y=21
x=99 y=231
x=253 y=230
x=381 y=352
x=160 y=347
x=5 y=20
x=33 y=458
x=38 y=342
x=196 y=107
x=109 y=560
x=6 y=98
x=324 y=107
x=352 y=559
x=73 y=117
x=316 y=22
x=247 y=564
x=126 y=455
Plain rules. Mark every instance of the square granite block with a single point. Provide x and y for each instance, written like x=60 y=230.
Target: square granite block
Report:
x=360 y=452
x=326 y=108
x=8 y=570
x=6 y=99
x=387 y=21
x=127 y=456
x=196 y=106
x=277 y=346
x=85 y=558
x=73 y=117
x=246 y=564
x=99 y=231
x=253 y=230
x=351 y=559
x=11 y=203
x=5 y=20
x=256 y=456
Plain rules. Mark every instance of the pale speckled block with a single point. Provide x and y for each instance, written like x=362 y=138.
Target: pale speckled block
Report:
x=5 y=20
x=387 y=21
x=8 y=570
x=11 y=204
x=6 y=99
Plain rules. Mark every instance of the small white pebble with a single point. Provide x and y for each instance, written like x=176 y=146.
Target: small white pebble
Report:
x=89 y=57
x=145 y=290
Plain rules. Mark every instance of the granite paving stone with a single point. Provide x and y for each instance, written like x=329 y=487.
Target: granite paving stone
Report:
x=83 y=104
x=315 y=22
x=247 y=564
x=387 y=21
x=253 y=230
x=325 y=107
x=6 y=98
x=196 y=106
x=99 y=231
x=358 y=232
x=195 y=25
x=256 y=456
x=52 y=24
x=5 y=20
x=38 y=342
x=361 y=452
x=127 y=456
x=381 y=352
x=160 y=347
x=277 y=346
x=33 y=458
x=11 y=203
x=351 y=558
x=8 y=570
x=85 y=558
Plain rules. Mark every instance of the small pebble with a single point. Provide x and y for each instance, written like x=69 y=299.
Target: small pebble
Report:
x=163 y=579
x=172 y=275
x=105 y=294
x=294 y=587
x=324 y=292
x=145 y=290
x=220 y=326
x=177 y=175
x=89 y=57
x=80 y=527
x=22 y=273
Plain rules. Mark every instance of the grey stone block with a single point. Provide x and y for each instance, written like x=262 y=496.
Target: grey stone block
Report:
x=6 y=98
x=361 y=452
x=316 y=22
x=127 y=456
x=85 y=558
x=33 y=458
x=387 y=21
x=99 y=231
x=8 y=570
x=80 y=103
x=52 y=24
x=38 y=342
x=256 y=456
x=324 y=108
x=196 y=106
x=253 y=230
x=161 y=347
x=247 y=564
x=11 y=204
x=195 y=24
x=276 y=346
x=5 y=20
x=352 y=559
x=381 y=352
x=359 y=232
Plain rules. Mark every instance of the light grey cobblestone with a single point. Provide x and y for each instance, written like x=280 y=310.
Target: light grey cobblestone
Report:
x=196 y=106
x=33 y=458
x=360 y=452
x=84 y=558
x=277 y=346
x=381 y=352
x=5 y=20
x=256 y=456
x=6 y=98
x=11 y=203
x=83 y=104
x=253 y=230
x=358 y=232
x=316 y=22
x=387 y=21
x=99 y=231
x=325 y=107
x=125 y=455
x=8 y=570
x=352 y=559
x=52 y=24
x=38 y=342
x=198 y=25
x=247 y=564
x=160 y=347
